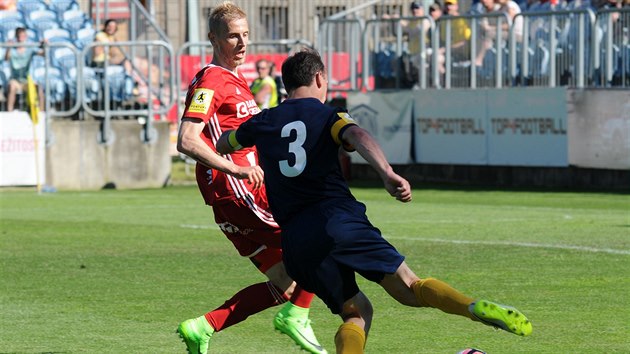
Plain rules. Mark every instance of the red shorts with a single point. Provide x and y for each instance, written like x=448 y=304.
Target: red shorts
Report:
x=252 y=237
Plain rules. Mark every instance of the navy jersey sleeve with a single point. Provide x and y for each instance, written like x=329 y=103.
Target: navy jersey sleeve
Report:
x=340 y=122
x=248 y=131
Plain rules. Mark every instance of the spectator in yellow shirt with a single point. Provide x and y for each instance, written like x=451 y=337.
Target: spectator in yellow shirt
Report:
x=264 y=87
x=115 y=55
x=460 y=32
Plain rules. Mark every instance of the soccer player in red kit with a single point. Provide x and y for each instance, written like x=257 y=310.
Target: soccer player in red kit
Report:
x=219 y=99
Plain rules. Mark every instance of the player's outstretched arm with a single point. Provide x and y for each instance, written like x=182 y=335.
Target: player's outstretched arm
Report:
x=223 y=144
x=369 y=149
x=190 y=143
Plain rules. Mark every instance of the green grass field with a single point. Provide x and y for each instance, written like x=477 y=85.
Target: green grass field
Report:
x=116 y=271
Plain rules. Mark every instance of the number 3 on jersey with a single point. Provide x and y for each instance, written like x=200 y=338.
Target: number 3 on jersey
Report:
x=295 y=148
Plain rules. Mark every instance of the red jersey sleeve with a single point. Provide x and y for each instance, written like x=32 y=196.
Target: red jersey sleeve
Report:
x=204 y=97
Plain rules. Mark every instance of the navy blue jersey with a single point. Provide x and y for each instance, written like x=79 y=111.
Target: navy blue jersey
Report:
x=298 y=144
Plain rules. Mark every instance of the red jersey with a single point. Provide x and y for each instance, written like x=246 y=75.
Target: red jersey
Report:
x=222 y=100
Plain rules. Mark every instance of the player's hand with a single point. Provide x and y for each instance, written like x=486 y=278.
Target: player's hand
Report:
x=398 y=187
x=253 y=174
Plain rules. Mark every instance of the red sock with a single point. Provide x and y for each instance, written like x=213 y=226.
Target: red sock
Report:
x=245 y=303
x=301 y=297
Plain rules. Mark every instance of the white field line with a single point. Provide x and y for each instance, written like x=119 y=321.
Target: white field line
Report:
x=473 y=242
x=515 y=244
x=205 y=227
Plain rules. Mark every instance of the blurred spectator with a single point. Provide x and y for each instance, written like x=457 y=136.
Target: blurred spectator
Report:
x=528 y=4
x=460 y=32
x=614 y=16
x=414 y=29
x=19 y=59
x=409 y=62
x=435 y=11
x=476 y=8
x=385 y=65
x=613 y=28
x=488 y=6
x=552 y=4
x=609 y=4
x=512 y=9
x=488 y=28
x=282 y=92
x=264 y=87
x=9 y=5
x=116 y=55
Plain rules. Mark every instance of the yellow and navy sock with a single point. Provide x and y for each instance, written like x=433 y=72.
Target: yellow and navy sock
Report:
x=350 y=339
x=431 y=292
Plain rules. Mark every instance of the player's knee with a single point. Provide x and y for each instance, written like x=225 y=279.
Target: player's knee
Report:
x=279 y=277
x=400 y=286
x=359 y=310
x=14 y=86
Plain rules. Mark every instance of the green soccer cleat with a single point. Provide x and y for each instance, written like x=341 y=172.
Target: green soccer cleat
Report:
x=299 y=329
x=196 y=333
x=501 y=316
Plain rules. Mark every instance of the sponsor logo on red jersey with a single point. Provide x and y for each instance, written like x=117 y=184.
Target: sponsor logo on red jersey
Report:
x=246 y=108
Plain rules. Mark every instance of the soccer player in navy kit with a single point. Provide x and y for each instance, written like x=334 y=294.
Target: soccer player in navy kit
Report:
x=326 y=236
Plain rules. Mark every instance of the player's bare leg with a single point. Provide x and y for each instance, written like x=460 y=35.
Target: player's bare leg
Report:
x=197 y=332
x=357 y=315
x=409 y=290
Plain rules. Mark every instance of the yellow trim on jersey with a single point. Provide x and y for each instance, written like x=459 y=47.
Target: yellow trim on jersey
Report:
x=201 y=100
x=234 y=144
x=336 y=128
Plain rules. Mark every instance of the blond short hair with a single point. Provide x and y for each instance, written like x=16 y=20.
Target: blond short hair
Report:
x=222 y=15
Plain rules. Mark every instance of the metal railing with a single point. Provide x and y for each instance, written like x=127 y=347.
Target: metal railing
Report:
x=612 y=53
x=481 y=59
x=575 y=48
x=51 y=81
x=555 y=49
x=157 y=104
x=339 y=44
x=64 y=81
x=400 y=56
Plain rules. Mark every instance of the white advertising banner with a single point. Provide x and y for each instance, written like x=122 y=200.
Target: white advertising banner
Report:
x=533 y=126
x=450 y=126
x=387 y=116
x=512 y=127
x=19 y=161
x=527 y=127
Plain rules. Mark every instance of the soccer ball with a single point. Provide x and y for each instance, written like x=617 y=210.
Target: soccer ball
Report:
x=471 y=351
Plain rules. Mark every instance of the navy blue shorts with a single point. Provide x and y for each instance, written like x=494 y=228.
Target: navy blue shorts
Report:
x=324 y=245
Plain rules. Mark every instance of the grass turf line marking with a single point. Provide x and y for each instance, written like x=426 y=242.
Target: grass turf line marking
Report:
x=473 y=242
x=191 y=226
x=517 y=244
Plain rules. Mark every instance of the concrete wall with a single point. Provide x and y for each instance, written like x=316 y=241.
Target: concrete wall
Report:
x=599 y=128
x=570 y=178
x=76 y=160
